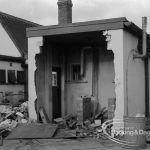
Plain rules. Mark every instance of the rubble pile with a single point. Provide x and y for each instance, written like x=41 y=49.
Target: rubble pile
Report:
x=11 y=116
x=89 y=128
x=69 y=126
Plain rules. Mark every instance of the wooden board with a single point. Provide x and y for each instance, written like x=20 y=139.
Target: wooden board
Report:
x=33 y=131
x=65 y=134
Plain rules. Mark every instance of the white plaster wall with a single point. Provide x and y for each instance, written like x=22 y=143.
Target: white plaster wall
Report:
x=7 y=46
x=34 y=44
x=15 y=89
x=75 y=90
x=106 y=76
x=116 y=45
x=106 y=85
x=134 y=78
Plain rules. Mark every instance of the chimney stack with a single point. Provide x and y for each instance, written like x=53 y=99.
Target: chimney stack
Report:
x=64 y=11
x=144 y=39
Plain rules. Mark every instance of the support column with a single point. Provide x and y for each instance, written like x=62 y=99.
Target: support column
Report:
x=47 y=96
x=116 y=45
x=63 y=101
x=34 y=45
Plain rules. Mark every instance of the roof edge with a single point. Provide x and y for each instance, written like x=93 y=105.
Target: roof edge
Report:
x=133 y=28
x=88 y=26
x=19 y=19
x=12 y=59
x=103 y=21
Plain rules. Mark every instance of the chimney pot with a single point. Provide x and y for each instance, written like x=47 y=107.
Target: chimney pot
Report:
x=64 y=11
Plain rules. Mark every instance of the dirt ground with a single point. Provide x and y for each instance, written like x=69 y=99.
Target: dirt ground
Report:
x=63 y=144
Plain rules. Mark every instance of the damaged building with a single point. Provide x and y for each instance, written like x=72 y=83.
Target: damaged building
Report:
x=99 y=61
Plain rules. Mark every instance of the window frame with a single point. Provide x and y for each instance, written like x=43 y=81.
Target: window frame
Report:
x=17 y=76
x=1 y=83
x=71 y=73
x=8 y=82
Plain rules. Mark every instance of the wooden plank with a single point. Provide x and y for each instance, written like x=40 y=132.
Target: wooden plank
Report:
x=33 y=131
x=43 y=116
x=65 y=134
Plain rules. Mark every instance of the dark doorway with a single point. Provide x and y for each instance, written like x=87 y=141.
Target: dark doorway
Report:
x=56 y=89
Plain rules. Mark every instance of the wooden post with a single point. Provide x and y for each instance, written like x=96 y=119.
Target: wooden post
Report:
x=48 y=81
x=63 y=107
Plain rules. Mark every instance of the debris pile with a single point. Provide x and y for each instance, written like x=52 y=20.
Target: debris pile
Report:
x=11 y=116
x=69 y=126
x=89 y=128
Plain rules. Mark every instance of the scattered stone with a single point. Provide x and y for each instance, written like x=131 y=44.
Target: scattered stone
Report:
x=58 y=120
x=97 y=122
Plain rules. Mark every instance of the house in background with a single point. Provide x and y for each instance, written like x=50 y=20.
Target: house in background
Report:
x=13 y=55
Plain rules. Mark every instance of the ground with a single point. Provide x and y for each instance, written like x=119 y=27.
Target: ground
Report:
x=62 y=144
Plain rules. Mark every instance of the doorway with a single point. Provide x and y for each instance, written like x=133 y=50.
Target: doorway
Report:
x=56 y=92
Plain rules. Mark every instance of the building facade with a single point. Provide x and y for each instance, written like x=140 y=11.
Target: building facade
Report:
x=13 y=56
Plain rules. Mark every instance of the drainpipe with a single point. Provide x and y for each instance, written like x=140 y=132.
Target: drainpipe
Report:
x=146 y=65
x=144 y=46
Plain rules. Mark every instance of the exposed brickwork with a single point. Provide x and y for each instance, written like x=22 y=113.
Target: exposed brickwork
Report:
x=64 y=11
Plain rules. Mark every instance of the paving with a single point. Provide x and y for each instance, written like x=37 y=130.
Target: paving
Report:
x=63 y=144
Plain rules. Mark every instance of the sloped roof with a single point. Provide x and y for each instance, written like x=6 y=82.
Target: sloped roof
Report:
x=12 y=59
x=16 y=29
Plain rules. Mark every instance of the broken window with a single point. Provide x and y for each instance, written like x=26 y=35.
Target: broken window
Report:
x=75 y=72
x=11 y=76
x=2 y=76
x=21 y=77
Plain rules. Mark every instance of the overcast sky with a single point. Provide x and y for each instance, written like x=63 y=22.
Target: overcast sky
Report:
x=45 y=11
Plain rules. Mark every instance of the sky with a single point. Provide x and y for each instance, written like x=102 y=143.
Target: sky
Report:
x=45 y=12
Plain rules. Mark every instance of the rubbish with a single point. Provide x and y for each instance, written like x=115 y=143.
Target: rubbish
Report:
x=97 y=122
x=71 y=122
x=13 y=124
x=68 y=117
x=93 y=126
x=43 y=115
x=58 y=120
x=10 y=117
x=5 y=108
x=65 y=134
x=72 y=125
x=24 y=121
x=100 y=114
x=87 y=122
x=24 y=107
x=5 y=124
x=19 y=114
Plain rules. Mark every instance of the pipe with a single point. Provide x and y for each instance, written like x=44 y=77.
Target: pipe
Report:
x=146 y=65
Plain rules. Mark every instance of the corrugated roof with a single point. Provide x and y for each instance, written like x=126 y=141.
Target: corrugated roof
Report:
x=16 y=29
